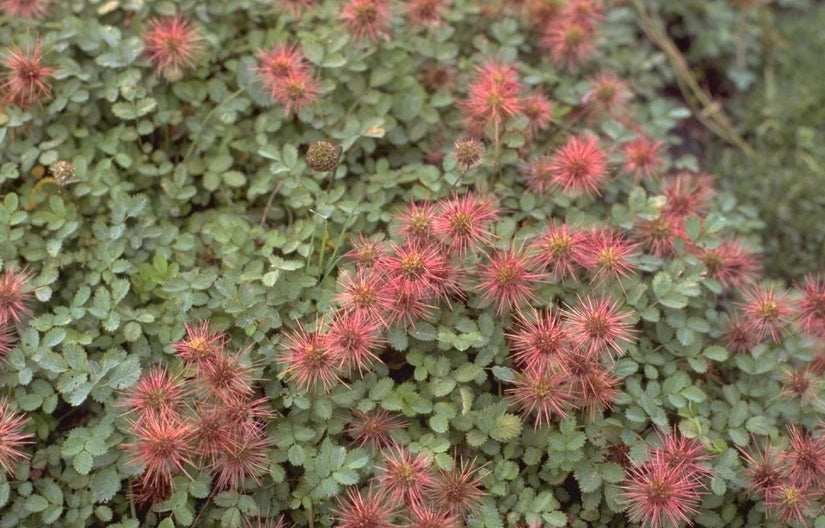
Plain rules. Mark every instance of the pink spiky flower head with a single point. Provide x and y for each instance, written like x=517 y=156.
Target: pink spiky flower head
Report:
x=458 y=490
x=430 y=516
x=598 y=326
x=730 y=263
x=687 y=194
x=539 y=112
x=580 y=166
x=540 y=341
x=508 y=281
x=738 y=336
x=246 y=458
x=296 y=7
x=364 y=291
x=810 y=309
x=15 y=295
x=544 y=394
x=366 y=252
x=226 y=378
x=25 y=8
x=12 y=438
x=463 y=222
x=163 y=446
x=424 y=12
x=593 y=386
x=492 y=97
x=278 y=63
x=767 y=312
x=416 y=268
x=658 y=495
x=309 y=363
x=27 y=81
x=295 y=92
x=201 y=344
x=556 y=248
x=608 y=94
x=405 y=477
x=374 y=428
x=661 y=235
x=371 y=509
x=416 y=221
x=538 y=174
x=805 y=458
x=353 y=338
x=607 y=252
x=684 y=454
x=157 y=394
x=8 y=339
x=367 y=19
x=642 y=158
x=172 y=44
x=764 y=470
x=569 y=41
x=791 y=503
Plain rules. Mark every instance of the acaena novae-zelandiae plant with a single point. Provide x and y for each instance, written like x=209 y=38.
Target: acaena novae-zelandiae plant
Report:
x=381 y=264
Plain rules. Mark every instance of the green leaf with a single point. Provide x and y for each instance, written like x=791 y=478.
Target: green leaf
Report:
x=35 y=503
x=105 y=484
x=467 y=372
x=506 y=427
x=83 y=462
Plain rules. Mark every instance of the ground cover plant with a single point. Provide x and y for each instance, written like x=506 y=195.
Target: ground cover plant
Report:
x=374 y=264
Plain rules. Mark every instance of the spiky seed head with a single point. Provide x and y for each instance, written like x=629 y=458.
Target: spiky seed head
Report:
x=468 y=153
x=63 y=172
x=323 y=156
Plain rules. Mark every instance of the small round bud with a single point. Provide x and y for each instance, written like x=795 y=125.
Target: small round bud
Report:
x=322 y=156
x=468 y=153
x=63 y=172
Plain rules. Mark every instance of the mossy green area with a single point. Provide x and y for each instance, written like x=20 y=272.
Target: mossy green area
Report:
x=783 y=119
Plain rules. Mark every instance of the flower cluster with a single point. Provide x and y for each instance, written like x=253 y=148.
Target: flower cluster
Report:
x=408 y=485
x=288 y=77
x=207 y=416
x=789 y=481
x=667 y=489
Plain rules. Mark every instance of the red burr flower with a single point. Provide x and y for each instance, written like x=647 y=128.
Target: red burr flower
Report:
x=27 y=81
x=364 y=292
x=556 y=249
x=25 y=8
x=157 y=395
x=659 y=495
x=642 y=157
x=201 y=345
x=15 y=295
x=607 y=252
x=804 y=459
x=245 y=458
x=593 y=387
x=458 y=490
x=507 y=280
x=163 y=446
x=493 y=97
x=547 y=394
x=353 y=338
x=660 y=235
x=580 y=166
x=463 y=222
x=405 y=477
x=810 y=309
x=309 y=363
x=371 y=509
x=424 y=12
x=569 y=41
x=374 y=428
x=767 y=312
x=608 y=94
x=687 y=194
x=171 y=44
x=730 y=263
x=366 y=18
x=12 y=438
x=540 y=342
x=597 y=326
